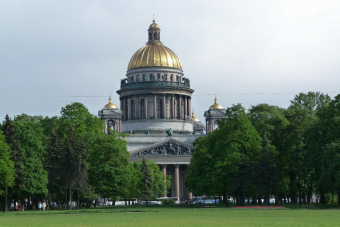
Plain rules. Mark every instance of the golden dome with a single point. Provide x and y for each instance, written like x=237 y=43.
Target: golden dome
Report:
x=193 y=117
x=110 y=105
x=154 y=54
x=216 y=105
x=154 y=25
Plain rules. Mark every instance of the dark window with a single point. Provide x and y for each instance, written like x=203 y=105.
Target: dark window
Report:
x=133 y=109
x=166 y=76
x=172 y=77
x=110 y=125
x=132 y=79
x=155 y=36
x=150 y=36
x=158 y=76
x=159 y=108
x=142 y=108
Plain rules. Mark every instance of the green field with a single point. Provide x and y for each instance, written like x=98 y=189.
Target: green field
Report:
x=162 y=216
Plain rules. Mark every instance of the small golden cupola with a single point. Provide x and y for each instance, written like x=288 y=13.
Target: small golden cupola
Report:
x=216 y=105
x=110 y=105
x=194 y=118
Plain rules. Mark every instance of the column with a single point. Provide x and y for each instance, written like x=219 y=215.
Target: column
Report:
x=185 y=107
x=189 y=104
x=129 y=108
x=120 y=125
x=121 y=104
x=207 y=126
x=176 y=178
x=164 y=106
x=124 y=109
x=164 y=174
x=137 y=108
x=172 y=107
x=146 y=107
x=180 y=106
x=117 y=125
x=155 y=106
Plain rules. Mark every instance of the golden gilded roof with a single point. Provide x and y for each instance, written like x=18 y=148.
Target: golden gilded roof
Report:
x=193 y=117
x=154 y=54
x=154 y=25
x=110 y=105
x=216 y=105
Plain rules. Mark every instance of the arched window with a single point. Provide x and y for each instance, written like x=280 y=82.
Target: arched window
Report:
x=159 y=103
x=133 y=109
x=215 y=124
x=142 y=108
x=155 y=36
x=110 y=125
x=150 y=35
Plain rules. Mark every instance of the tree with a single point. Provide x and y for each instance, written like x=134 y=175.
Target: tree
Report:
x=75 y=163
x=227 y=156
x=267 y=120
x=108 y=160
x=323 y=148
x=6 y=169
x=301 y=115
x=147 y=182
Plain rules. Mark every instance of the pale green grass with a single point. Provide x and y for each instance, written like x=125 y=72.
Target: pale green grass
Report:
x=175 y=217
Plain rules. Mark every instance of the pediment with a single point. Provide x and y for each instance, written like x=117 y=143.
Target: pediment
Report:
x=169 y=147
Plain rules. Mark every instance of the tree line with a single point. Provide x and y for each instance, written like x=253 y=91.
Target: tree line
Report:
x=270 y=152
x=69 y=158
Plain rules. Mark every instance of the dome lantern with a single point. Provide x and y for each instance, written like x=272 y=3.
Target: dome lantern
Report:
x=154 y=33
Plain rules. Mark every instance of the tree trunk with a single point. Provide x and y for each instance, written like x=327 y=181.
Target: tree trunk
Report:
x=291 y=187
x=242 y=198
x=322 y=197
x=225 y=199
x=6 y=197
x=70 y=197
x=254 y=200
x=66 y=199
x=78 y=199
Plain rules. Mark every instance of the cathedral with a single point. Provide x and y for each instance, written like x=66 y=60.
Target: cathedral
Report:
x=155 y=110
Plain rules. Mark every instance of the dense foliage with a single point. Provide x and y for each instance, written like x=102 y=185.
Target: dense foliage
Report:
x=67 y=158
x=269 y=153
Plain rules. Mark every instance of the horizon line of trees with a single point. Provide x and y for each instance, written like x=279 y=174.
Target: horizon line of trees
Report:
x=271 y=152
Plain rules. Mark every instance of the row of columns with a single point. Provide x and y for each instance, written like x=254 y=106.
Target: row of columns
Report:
x=126 y=106
x=117 y=124
x=210 y=125
x=176 y=183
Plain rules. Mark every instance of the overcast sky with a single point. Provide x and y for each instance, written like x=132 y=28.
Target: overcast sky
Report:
x=53 y=53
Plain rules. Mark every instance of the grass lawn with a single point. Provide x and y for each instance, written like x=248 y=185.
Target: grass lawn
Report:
x=163 y=216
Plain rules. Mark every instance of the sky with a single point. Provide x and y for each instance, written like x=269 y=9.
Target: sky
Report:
x=53 y=53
